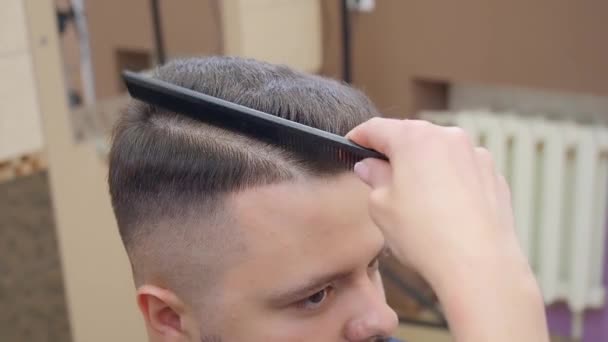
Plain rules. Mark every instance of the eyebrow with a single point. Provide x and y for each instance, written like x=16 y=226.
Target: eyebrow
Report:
x=314 y=284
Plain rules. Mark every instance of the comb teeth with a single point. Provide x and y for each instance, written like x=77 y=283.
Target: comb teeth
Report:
x=324 y=155
x=347 y=158
x=328 y=155
x=314 y=145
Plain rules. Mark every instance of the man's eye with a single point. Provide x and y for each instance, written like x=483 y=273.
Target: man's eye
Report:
x=315 y=300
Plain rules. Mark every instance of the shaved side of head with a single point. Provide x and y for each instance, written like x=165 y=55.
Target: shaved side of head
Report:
x=170 y=175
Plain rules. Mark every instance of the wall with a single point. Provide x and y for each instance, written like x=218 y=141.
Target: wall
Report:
x=277 y=31
x=20 y=127
x=190 y=28
x=405 y=53
x=550 y=44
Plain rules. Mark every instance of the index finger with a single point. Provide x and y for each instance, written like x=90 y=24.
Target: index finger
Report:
x=377 y=134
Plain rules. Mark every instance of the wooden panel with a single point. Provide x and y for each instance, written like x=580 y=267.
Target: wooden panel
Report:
x=99 y=288
x=192 y=27
x=13 y=36
x=278 y=31
x=20 y=130
x=331 y=38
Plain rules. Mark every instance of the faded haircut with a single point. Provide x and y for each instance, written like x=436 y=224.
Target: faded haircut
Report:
x=165 y=166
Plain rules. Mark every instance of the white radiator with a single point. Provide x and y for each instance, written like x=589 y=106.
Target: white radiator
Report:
x=558 y=172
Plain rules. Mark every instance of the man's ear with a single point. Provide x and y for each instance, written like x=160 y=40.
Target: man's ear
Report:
x=163 y=312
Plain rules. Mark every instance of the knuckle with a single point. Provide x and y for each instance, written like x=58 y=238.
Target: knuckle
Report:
x=484 y=155
x=418 y=130
x=380 y=202
x=376 y=198
x=503 y=186
x=458 y=138
x=486 y=160
x=419 y=124
x=458 y=134
x=403 y=125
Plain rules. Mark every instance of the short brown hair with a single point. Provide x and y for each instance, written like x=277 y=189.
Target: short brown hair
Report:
x=161 y=162
x=170 y=175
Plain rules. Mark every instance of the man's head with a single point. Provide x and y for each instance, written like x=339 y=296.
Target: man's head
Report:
x=233 y=239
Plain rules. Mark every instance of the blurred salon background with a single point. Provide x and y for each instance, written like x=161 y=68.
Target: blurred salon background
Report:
x=527 y=79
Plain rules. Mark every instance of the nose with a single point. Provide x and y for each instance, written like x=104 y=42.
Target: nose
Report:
x=374 y=320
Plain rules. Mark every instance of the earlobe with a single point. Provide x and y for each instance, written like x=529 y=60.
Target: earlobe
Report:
x=162 y=310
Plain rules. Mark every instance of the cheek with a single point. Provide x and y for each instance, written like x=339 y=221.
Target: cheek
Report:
x=276 y=325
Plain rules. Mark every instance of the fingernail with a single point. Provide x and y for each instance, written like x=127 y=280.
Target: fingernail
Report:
x=362 y=170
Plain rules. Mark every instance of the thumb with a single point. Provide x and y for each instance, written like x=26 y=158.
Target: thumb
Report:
x=374 y=172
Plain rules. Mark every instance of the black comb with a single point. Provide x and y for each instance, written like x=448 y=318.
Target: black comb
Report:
x=310 y=142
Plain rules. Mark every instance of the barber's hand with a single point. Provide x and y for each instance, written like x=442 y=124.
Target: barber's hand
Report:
x=446 y=212
x=440 y=198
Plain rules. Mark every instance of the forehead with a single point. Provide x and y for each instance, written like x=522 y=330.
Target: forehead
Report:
x=301 y=210
x=315 y=224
